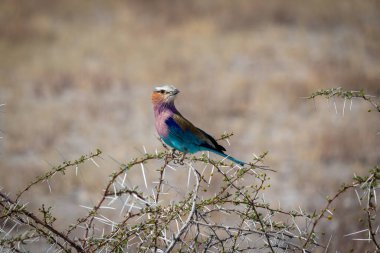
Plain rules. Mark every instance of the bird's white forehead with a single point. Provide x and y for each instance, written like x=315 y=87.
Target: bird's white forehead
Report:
x=167 y=88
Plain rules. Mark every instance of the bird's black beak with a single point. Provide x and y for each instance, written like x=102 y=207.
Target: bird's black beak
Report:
x=175 y=92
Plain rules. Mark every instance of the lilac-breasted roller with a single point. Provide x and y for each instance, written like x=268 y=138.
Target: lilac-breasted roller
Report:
x=176 y=131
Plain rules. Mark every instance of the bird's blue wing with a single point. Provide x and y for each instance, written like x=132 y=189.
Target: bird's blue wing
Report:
x=181 y=139
x=185 y=137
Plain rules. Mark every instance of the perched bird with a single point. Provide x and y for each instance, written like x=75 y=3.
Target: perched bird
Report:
x=176 y=131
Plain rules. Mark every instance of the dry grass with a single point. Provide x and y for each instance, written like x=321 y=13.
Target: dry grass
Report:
x=77 y=76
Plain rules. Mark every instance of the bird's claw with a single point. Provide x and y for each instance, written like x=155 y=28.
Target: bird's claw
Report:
x=180 y=162
x=182 y=158
x=177 y=159
x=172 y=154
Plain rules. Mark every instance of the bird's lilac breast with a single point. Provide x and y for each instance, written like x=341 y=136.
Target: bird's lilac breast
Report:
x=161 y=126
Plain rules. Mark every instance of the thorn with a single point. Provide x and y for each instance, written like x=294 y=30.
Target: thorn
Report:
x=47 y=181
x=188 y=177
x=124 y=205
x=87 y=207
x=211 y=174
x=123 y=181
x=143 y=173
x=374 y=194
x=357 y=232
x=344 y=106
x=107 y=207
x=92 y=160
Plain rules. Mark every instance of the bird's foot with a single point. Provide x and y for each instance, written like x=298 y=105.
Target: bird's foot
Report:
x=172 y=153
x=180 y=160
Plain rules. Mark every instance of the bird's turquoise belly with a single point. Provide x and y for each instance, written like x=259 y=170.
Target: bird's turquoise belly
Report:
x=180 y=145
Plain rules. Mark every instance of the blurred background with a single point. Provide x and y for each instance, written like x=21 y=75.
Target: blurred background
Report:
x=78 y=75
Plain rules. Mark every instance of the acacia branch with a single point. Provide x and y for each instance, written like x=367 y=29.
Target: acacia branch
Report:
x=188 y=220
x=339 y=92
x=43 y=224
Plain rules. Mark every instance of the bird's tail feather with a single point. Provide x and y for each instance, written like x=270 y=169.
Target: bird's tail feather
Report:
x=241 y=163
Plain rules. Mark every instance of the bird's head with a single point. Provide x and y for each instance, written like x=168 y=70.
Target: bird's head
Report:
x=164 y=94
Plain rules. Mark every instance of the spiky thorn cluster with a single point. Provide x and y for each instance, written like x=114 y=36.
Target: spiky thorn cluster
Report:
x=346 y=95
x=222 y=210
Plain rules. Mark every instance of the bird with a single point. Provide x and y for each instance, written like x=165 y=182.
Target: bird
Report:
x=176 y=131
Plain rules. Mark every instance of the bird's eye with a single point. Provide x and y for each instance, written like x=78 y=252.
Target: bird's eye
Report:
x=162 y=91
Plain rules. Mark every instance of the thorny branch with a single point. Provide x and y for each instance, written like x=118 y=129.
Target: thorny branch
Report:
x=41 y=226
x=339 y=92
x=367 y=184
x=222 y=211
x=190 y=216
x=60 y=168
